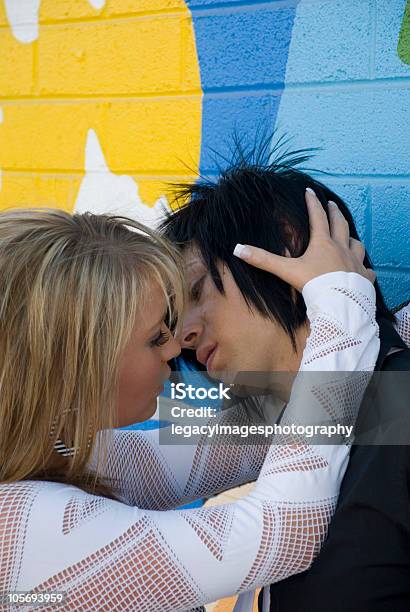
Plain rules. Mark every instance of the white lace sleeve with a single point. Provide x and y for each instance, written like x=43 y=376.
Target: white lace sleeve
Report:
x=403 y=323
x=159 y=476
x=156 y=476
x=104 y=554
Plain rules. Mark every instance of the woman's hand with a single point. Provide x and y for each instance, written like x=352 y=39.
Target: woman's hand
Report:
x=330 y=249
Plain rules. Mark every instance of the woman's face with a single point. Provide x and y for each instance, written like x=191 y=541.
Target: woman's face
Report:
x=144 y=367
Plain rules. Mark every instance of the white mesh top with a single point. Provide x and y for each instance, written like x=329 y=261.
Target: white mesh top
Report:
x=138 y=554
x=403 y=323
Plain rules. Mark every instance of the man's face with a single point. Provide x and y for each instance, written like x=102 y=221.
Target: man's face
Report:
x=226 y=335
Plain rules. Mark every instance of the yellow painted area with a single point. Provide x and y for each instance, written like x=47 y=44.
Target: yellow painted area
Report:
x=78 y=9
x=129 y=72
x=50 y=191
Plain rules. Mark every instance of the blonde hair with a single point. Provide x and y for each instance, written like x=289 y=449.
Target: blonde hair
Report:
x=71 y=287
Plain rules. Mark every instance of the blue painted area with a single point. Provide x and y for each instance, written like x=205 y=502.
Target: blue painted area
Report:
x=391 y=217
x=347 y=91
x=242 y=50
x=196 y=504
x=147 y=425
x=331 y=41
x=222 y=115
x=395 y=285
x=326 y=72
x=358 y=199
x=362 y=131
x=387 y=63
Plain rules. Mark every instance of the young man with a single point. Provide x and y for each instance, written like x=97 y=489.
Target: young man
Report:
x=240 y=318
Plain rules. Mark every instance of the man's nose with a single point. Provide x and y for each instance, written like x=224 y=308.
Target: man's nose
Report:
x=190 y=334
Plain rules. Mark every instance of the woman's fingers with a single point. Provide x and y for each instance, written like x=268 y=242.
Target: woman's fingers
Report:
x=370 y=275
x=319 y=226
x=330 y=249
x=264 y=260
x=339 y=227
x=357 y=248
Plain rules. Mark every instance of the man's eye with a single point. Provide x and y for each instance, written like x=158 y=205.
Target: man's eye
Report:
x=196 y=289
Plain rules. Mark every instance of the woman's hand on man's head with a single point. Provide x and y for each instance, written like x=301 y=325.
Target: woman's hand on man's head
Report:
x=330 y=249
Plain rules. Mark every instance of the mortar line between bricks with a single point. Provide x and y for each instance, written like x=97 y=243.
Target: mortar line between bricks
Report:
x=240 y=7
x=275 y=88
x=361 y=179
x=378 y=83
x=77 y=172
x=93 y=19
x=398 y=83
x=68 y=99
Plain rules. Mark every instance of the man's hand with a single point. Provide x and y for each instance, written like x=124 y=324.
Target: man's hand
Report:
x=330 y=249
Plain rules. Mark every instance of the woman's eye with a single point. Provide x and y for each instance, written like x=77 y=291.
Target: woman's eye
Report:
x=161 y=339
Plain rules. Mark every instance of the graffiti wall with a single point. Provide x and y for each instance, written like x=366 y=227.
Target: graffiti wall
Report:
x=103 y=103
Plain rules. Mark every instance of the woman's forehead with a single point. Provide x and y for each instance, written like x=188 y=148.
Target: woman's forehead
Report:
x=153 y=309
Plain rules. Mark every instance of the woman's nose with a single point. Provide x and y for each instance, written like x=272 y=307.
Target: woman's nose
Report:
x=172 y=348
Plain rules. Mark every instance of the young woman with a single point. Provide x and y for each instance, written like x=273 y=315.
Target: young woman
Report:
x=87 y=304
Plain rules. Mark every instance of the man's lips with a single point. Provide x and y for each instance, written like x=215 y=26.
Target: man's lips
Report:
x=205 y=353
x=210 y=357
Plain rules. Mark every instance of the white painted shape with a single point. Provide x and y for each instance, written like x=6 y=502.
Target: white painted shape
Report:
x=94 y=157
x=101 y=191
x=97 y=4
x=23 y=19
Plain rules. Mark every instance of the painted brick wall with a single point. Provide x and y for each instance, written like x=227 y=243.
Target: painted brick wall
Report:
x=333 y=74
x=101 y=102
x=105 y=101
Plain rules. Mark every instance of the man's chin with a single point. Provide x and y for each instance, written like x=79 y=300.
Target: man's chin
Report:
x=224 y=376
x=245 y=383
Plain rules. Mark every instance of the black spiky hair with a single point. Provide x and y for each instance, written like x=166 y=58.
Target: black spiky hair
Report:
x=257 y=199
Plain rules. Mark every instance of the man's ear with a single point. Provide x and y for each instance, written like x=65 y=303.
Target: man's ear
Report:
x=293 y=239
x=293 y=291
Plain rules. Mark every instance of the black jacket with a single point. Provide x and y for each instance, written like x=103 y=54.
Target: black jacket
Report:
x=364 y=564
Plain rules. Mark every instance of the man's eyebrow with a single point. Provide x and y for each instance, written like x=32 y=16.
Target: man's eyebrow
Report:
x=197 y=285
x=192 y=265
x=160 y=321
x=194 y=262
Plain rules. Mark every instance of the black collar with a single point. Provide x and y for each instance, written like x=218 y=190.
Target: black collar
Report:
x=389 y=338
